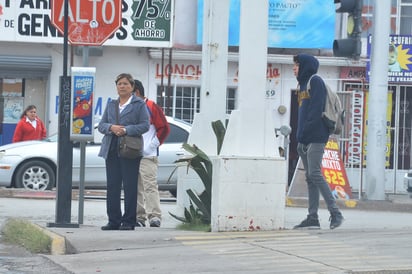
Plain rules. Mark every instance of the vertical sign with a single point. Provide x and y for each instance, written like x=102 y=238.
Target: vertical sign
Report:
x=83 y=85
x=354 y=152
x=334 y=171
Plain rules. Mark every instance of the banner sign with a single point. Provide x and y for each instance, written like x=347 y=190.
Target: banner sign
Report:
x=334 y=171
x=399 y=61
x=83 y=85
x=145 y=23
x=291 y=23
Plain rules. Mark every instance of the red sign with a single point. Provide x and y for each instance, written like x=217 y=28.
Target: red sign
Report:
x=334 y=171
x=91 y=22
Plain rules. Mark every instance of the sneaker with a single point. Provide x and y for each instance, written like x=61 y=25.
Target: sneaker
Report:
x=308 y=223
x=154 y=222
x=140 y=223
x=336 y=219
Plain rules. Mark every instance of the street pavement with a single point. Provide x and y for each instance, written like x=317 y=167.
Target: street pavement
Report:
x=375 y=238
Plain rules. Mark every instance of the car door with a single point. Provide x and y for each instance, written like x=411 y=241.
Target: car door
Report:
x=170 y=151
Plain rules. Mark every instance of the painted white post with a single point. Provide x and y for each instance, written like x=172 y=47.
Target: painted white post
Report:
x=214 y=74
x=212 y=96
x=378 y=100
x=249 y=178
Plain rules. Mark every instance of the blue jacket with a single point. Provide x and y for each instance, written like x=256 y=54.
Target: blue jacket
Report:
x=311 y=127
x=134 y=117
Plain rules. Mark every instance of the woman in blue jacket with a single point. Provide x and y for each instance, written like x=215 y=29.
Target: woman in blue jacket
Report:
x=126 y=116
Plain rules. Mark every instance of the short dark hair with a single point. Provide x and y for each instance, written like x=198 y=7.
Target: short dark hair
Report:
x=127 y=76
x=139 y=86
x=296 y=59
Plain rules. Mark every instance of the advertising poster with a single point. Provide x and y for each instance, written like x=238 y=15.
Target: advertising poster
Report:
x=291 y=23
x=83 y=85
x=399 y=61
x=334 y=171
x=13 y=109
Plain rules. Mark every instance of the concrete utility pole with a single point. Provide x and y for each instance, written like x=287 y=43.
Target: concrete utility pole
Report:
x=214 y=74
x=377 y=103
x=249 y=177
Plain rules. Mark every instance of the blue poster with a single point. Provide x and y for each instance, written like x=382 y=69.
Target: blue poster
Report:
x=291 y=23
x=83 y=85
x=399 y=59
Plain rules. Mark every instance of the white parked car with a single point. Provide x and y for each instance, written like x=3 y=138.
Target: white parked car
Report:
x=408 y=182
x=33 y=164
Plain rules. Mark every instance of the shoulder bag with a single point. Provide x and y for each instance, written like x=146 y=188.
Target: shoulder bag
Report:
x=130 y=147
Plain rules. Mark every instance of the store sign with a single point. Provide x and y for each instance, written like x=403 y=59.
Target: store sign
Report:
x=291 y=23
x=399 y=61
x=83 y=86
x=144 y=23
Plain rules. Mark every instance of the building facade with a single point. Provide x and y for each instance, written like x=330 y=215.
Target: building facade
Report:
x=31 y=63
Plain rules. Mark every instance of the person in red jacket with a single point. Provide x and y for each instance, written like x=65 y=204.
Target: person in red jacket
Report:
x=148 y=199
x=30 y=127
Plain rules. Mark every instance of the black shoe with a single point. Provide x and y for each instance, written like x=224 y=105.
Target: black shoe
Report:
x=155 y=222
x=140 y=223
x=336 y=219
x=110 y=227
x=126 y=227
x=308 y=223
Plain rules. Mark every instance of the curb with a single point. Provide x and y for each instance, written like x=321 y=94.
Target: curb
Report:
x=58 y=245
x=386 y=205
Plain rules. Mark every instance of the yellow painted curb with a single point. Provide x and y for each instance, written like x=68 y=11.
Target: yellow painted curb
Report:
x=289 y=202
x=351 y=203
x=58 y=245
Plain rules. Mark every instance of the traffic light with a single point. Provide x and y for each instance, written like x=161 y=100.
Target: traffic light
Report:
x=351 y=46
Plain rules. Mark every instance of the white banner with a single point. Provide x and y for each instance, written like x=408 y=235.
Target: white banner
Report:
x=145 y=23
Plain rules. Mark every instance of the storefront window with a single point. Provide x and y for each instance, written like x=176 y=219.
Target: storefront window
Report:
x=184 y=102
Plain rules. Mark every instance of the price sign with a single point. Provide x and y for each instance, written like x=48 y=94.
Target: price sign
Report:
x=152 y=20
x=334 y=171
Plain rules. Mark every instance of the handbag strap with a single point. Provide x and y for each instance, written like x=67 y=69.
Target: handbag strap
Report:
x=117 y=112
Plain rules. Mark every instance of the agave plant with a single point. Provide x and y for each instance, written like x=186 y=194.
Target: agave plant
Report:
x=200 y=204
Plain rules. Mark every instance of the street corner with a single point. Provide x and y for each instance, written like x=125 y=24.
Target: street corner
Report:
x=59 y=244
x=35 y=238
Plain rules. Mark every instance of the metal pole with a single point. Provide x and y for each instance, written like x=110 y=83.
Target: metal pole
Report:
x=378 y=100
x=82 y=153
x=65 y=147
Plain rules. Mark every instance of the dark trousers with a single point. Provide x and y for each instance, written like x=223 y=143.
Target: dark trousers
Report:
x=118 y=171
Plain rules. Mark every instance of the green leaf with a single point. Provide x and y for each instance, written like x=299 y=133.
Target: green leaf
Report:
x=220 y=132
x=200 y=205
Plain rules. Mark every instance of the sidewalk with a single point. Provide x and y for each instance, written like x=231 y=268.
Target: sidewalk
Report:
x=376 y=235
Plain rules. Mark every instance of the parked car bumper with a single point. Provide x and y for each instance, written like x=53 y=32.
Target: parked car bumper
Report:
x=408 y=182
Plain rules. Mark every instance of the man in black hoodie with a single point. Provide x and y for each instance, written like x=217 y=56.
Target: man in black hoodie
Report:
x=312 y=135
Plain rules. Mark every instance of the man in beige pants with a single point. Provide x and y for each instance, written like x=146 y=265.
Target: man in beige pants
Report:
x=148 y=199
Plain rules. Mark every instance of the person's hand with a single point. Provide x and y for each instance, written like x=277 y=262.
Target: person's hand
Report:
x=118 y=130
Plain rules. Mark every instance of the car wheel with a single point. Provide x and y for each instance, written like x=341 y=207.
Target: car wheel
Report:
x=35 y=175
